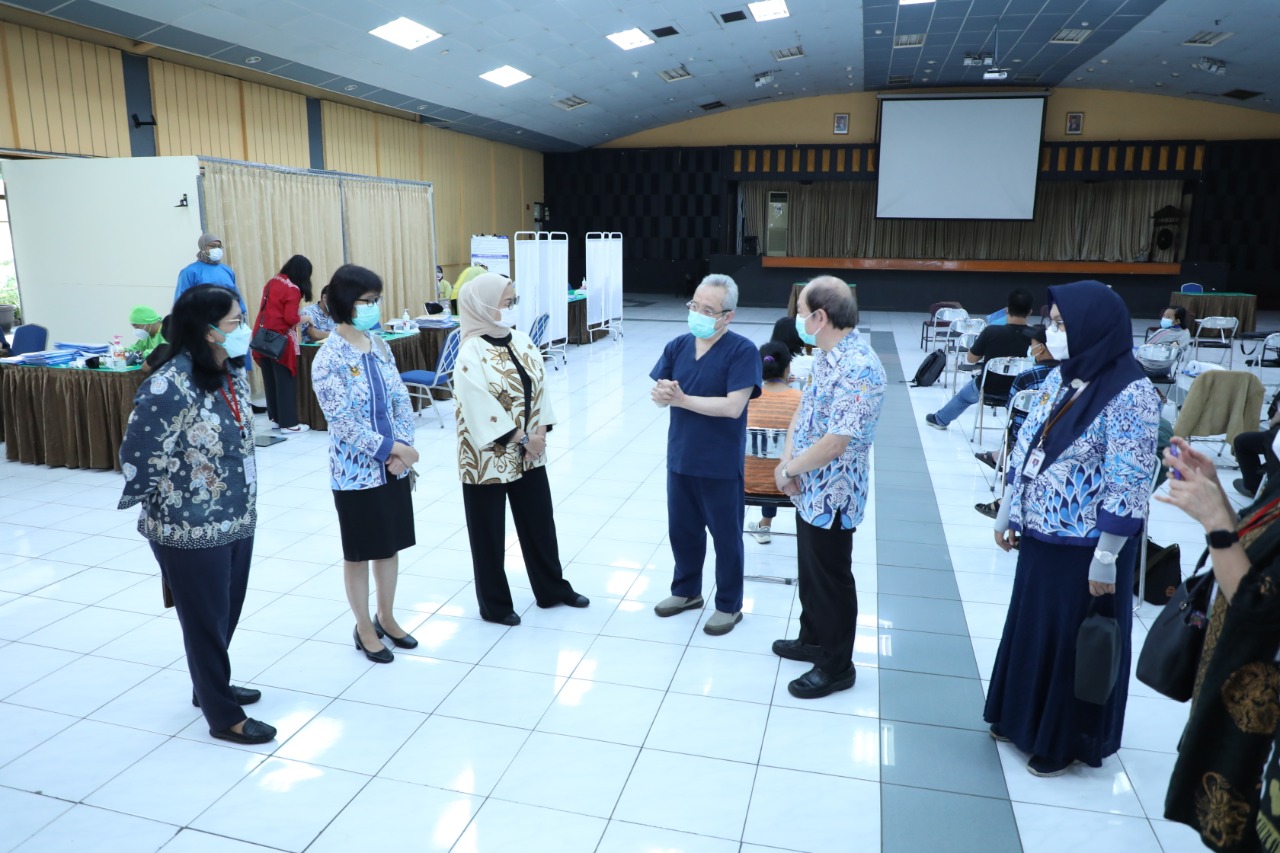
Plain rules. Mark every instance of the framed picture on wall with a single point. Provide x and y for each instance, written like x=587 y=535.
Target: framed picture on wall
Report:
x=1075 y=124
x=841 y=126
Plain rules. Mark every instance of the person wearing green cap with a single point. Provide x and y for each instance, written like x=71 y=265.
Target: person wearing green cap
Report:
x=146 y=328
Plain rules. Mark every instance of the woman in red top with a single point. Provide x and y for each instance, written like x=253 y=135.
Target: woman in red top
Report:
x=279 y=313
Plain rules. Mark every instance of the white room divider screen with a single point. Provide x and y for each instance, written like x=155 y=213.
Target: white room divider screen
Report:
x=542 y=281
x=604 y=281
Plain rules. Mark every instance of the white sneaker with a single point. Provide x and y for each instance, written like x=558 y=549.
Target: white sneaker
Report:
x=761 y=534
x=295 y=430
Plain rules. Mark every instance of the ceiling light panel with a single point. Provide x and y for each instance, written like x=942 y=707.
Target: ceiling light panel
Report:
x=1207 y=38
x=405 y=33
x=630 y=39
x=1070 y=36
x=769 y=10
x=505 y=76
x=909 y=40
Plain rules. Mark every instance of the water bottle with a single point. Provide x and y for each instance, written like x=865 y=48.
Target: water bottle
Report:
x=406 y=322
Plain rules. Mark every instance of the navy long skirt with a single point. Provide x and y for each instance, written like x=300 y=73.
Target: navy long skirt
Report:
x=1032 y=694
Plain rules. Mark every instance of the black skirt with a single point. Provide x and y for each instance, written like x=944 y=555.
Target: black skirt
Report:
x=376 y=523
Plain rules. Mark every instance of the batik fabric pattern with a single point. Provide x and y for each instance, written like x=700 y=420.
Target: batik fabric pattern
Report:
x=184 y=460
x=845 y=397
x=491 y=404
x=1102 y=482
x=367 y=407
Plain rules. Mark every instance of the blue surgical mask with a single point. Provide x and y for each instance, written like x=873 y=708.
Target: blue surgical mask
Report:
x=367 y=316
x=235 y=343
x=701 y=325
x=1166 y=323
x=810 y=340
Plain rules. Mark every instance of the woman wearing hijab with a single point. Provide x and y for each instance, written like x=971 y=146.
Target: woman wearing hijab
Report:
x=279 y=313
x=187 y=458
x=503 y=418
x=208 y=268
x=370 y=455
x=1079 y=482
x=1223 y=785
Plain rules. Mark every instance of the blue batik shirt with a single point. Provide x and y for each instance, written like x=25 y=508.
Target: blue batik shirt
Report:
x=844 y=397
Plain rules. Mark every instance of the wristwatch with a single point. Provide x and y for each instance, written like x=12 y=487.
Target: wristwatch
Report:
x=1221 y=538
x=524 y=440
x=1104 y=557
x=785 y=473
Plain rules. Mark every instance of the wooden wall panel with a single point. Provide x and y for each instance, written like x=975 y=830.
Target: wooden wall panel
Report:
x=197 y=112
x=399 y=148
x=63 y=96
x=275 y=123
x=439 y=159
x=350 y=139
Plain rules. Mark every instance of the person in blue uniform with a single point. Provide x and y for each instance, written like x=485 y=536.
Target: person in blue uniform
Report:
x=707 y=378
x=208 y=268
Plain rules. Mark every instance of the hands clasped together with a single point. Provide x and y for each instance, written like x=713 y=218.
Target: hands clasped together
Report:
x=401 y=459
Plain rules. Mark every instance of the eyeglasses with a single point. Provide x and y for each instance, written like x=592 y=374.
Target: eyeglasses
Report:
x=515 y=300
x=705 y=311
x=1058 y=324
x=368 y=301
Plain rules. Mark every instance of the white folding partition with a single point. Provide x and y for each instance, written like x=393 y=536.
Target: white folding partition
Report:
x=604 y=281
x=542 y=280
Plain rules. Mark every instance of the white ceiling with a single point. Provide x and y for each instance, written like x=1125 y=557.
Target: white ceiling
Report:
x=1136 y=45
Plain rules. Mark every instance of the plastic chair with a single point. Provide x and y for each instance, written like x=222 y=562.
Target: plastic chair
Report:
x=1003 y=366
x=767 y=443
x=538 y=334
x=1213 y=405
x=930 y=327
x=1021 y=403
x=29 y=338
x=1191 y=287
x=420 y=383
x=1221 y=334
x=960 y=336
x=1161 y=354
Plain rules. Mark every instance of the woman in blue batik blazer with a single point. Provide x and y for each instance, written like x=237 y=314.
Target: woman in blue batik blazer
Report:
x=370 y=454
x=1078 y=491
x=187 y=458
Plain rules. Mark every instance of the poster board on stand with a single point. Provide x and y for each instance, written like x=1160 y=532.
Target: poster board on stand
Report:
x=492 y=252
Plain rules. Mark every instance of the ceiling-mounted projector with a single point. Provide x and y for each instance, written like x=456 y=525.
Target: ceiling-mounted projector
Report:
x=995 y=74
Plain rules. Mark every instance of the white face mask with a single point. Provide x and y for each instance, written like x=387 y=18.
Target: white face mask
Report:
x=215 y=254
x=1056 y=343
x=507 y=317
x=141 y=334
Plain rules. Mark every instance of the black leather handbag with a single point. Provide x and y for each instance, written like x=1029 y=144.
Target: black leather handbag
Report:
x=1171 y=654
x=266 y=342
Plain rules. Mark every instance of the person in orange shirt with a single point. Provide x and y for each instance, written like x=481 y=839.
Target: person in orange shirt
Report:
x=771 y=412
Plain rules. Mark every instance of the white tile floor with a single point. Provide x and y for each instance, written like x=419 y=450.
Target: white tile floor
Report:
x=607 y=729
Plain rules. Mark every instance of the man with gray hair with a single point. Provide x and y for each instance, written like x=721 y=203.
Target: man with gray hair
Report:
x=824 y=468
x=706 y=378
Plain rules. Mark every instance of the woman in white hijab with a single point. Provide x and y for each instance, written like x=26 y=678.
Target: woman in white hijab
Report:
x=504 y=416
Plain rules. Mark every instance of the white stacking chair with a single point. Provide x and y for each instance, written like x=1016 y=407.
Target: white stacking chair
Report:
x=1216 y=333
x=1003 y=366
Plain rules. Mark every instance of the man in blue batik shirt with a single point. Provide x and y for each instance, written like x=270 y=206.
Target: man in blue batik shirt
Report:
x=824 y=468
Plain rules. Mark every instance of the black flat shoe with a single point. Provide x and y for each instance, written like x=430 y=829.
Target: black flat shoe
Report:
x=574 y=600
x=254 y=731
x=796 y=650
x=382 y=655
x=511 y=619
x=815 y=683
x=244 y=696
x=405 y=642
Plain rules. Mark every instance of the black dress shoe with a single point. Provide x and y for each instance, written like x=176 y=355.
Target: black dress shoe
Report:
x=253 y=731
x=815 y=683
x=796 y=650
x=405 y=642
x=575 y=599
x=244 y=696
x=382 y=655
x=511 y=619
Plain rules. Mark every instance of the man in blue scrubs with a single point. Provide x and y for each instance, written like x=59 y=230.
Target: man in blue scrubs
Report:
x=706 y=377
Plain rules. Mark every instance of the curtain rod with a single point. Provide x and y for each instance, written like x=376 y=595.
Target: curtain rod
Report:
x=319 y=173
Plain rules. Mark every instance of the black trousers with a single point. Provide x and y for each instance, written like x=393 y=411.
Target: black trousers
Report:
x=208 y=586
x=828 y=594
x=531 y=509
x=1253 y=452
x=281 y=388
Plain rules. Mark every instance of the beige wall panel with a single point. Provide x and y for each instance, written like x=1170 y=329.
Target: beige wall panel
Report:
x=399 y=148
x=1108 y=116
x=275 y=126
x=8 y=113
x=508 y=191
x=198 y=112
x=350 y=139
x=439 y=153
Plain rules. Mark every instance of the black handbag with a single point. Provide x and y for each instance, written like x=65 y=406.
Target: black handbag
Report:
x=1171 y=654
x=1164 y=573
x=266 y=342
x=1097 y=657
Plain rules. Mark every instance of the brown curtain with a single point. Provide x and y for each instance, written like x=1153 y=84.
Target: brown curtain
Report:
x=390 y=229
x=1074 y=222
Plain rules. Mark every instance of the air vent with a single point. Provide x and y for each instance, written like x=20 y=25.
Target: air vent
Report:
x=912 y=40
x=1241 y=94
x=714 y=105
x=899 y=79
x=1207 y=38
x=1070 y=36
x=664 y=32
x=733 y=17
x=1026 y=79
x=671 y=75
x=757 y=100
x=570 y=103
x=788 y=53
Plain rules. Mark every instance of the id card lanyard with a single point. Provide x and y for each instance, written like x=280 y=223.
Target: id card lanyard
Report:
x=1035 y=459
